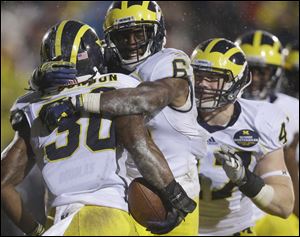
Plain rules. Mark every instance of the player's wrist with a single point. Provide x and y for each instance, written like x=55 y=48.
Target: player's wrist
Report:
x=265 y=196
x=251 y=185
x=178 y=198
x=90 y=102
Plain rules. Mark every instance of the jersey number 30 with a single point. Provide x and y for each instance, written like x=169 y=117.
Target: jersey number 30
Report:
x=73 y=129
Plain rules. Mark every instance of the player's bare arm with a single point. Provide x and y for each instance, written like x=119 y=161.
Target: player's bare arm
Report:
x=151 y=163
x=16 y=162
x=282 y=198
x=146 y=98
x=293 y=168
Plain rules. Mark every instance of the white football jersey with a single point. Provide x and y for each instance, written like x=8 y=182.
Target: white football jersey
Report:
x=255 y=129
x=78 y=159
x=174 y=130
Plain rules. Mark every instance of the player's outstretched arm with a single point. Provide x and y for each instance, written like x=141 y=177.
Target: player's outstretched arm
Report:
x=15 y=165
x=146 y=98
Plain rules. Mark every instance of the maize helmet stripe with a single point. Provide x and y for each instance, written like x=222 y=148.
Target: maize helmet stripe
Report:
x=58 y=38
x=77 y=40
x=211 y=45
x=69 y=34
x=124 y=4
x=205 y=44
x=146 y=5
x=257 y=39
x=231 y=52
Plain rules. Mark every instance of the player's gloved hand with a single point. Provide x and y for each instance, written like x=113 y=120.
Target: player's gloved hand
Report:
x=179 y=205
x=249 y=183
x=53 y=74
x=232 y=164
x=56 y=113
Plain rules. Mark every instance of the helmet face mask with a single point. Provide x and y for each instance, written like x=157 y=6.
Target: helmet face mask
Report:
x=221 y=73
x=134 y=30
x=209 y=89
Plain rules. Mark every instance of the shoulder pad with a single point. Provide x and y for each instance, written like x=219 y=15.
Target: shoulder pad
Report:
x=18 y=120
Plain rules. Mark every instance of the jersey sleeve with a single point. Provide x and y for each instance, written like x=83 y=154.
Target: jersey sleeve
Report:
x=272 y=125
x=125 y=81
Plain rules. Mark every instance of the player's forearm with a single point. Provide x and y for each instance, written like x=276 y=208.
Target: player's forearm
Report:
x=144 y=99
x=12 y=204
x=278 y=200
x=152 y=164
x=132 y=134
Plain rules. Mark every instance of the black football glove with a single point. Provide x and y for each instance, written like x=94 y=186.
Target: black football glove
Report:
x=53 y=74
x=178 y=206
x=56 y=114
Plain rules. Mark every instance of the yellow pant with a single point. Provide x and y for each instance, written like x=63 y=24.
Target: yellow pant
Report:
x=101 y=221
x=188 y=227
x=275 y=226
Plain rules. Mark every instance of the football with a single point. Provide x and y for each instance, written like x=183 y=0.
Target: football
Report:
x=144 y=203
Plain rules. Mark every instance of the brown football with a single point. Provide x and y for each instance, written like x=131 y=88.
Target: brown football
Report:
x=144 y=203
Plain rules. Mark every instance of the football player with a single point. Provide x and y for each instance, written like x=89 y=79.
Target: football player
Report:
x=135 y=35
x=291 y=70
x=245 y=162
x=263 y=51
x=77 y=155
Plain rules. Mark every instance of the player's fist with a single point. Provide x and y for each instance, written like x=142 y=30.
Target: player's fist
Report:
x=56 y=114
x=179 y=205
x=232 y=164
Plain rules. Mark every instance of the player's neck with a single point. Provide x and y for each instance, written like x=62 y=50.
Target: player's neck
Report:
x=220 y=117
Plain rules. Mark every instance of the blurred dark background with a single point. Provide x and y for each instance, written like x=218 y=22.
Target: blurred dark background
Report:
x=24 y=23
